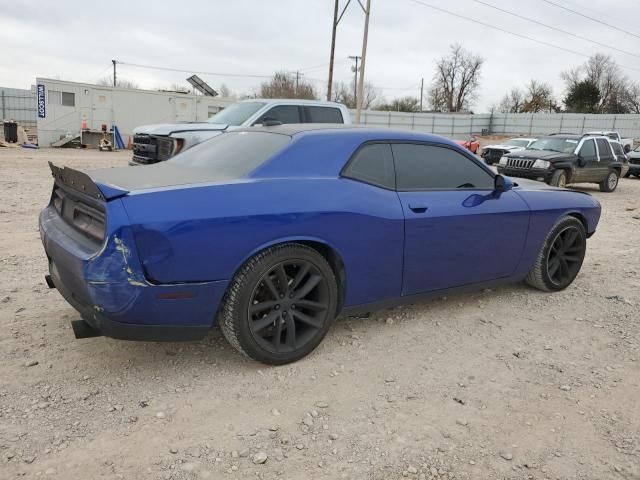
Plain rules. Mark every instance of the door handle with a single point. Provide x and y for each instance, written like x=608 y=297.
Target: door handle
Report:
x=418 y=208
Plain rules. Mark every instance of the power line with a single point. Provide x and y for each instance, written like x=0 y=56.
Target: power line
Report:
x=590 y=18
x=555 y=28
x=519 y=35
x=186 y=70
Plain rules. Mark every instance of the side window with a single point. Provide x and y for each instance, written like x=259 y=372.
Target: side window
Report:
x=323 y=115
x=588 y=149
x=617 y=148
x=603 y=148
x=420 y=167
x=283 y=113
x=373 y=163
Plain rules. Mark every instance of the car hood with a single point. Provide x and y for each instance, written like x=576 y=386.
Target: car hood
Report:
x=511 y=148
x=634 y=155
x=540 y=154
x=166 y=129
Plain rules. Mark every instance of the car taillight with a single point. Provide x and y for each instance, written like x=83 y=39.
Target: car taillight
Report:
x=88 y=222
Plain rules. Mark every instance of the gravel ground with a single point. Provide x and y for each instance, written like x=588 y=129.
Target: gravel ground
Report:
x=505 y=383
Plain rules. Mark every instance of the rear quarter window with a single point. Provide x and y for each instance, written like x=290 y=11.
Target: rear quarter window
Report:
x=232 y=154
x=324 y=115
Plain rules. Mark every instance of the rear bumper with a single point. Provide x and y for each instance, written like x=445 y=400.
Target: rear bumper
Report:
x=109 y=290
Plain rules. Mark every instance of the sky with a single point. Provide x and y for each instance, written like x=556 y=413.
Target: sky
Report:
x=247 y=40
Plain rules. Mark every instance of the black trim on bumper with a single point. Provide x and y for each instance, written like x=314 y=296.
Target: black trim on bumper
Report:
x=530 y=174
x=103 y=326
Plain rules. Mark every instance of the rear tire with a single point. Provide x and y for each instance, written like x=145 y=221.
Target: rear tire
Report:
x=610 y=183
x=561 y=257
x=559 y=179
x=280 y=304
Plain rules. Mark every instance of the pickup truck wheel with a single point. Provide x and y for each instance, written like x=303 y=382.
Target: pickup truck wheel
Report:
x=610 y=183
x=559 y=179
x=280 y=304
x=561 y=257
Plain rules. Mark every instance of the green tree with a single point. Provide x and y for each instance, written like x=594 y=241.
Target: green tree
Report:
x=583 y=97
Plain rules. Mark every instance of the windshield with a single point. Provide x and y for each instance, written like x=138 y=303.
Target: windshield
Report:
x=236 y=114
x=518 y=143
x=555 y=144
x=232 y=154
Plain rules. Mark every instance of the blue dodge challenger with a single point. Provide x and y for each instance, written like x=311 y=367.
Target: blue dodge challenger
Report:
x=271 y=232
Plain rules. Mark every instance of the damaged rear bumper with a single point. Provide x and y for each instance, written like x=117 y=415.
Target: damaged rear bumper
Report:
x=109 y=290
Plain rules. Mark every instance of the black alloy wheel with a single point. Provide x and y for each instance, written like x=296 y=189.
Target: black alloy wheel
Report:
x=560 y=259
x=565 y=256
x=280 y=304
x=289 y=306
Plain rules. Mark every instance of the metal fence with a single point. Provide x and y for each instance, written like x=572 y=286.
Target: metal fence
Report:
x=461 y=125
x=17 y=104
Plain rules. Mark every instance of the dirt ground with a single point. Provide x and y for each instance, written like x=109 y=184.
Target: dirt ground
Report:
x=505 y=383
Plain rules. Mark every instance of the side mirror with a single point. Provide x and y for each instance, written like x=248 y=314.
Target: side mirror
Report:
x=502 y=184
x=581 y=161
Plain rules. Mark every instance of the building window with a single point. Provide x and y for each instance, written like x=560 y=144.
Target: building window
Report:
x=68 y=99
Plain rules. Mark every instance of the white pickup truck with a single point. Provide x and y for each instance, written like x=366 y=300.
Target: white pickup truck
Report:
x=627 y=143
x=156 y=143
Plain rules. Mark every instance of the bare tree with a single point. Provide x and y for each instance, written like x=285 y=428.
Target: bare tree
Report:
x=283 y=85
x=343 y=93
x=225 y=91
x=602 y=71
x=539 y=98
x=456 y=81
x=632 y=97
x=120 y=83
x=512 y=101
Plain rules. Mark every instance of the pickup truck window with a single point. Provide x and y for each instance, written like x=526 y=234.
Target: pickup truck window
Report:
x=282 y=113
x=236 y=114
x=323 y=115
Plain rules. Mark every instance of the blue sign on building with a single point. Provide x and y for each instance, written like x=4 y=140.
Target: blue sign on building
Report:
x=42 y=104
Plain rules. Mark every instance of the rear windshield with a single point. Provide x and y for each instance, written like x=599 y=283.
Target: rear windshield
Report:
x=232 y=154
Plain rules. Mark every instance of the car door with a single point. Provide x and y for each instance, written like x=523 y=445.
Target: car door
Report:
x=586 y=170
x=606 y=157
x=458 y=231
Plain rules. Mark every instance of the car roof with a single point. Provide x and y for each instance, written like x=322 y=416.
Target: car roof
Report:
x=296 y=101
x=363 y=132
x=570 y=136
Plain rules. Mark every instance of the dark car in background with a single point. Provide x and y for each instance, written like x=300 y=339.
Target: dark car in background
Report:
x=634 y=162
x=562 y=159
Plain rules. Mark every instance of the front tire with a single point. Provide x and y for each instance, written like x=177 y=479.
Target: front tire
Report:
x=280 y=304
x=561 y=257
x=559 y=179
x=610 y=183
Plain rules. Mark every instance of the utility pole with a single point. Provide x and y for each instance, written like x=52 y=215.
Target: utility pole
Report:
x=367 y=11
x=421 y=92
x=355 y=78
x=297 y=80
x=333 y=49
x=114 y=72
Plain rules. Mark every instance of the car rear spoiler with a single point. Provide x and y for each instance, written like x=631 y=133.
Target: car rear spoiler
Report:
x=81 y=182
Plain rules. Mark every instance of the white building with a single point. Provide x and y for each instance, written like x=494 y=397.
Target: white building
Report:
x=61 y=106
